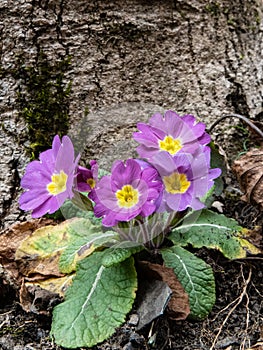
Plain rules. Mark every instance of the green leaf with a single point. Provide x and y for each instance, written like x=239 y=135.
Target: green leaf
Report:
x=216 y=231
x=195 y=276
x=84 y=239
x=70 y=210
x=96 y=303
x=118 y=254
x=82 y=201
x=217 y=161
x=103 y=172
x=47 y=241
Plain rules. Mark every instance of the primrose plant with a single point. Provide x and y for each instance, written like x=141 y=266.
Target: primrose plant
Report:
x=147 y=207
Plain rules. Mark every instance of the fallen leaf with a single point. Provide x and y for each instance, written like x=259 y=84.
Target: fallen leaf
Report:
x=12 y=237
x=40 y=252
x=10 y=240
x=32 y=272
x=249 y=170
x=35 y=299
x=178 y=305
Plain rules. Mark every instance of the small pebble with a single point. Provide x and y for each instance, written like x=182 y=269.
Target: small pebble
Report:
x=134 y=319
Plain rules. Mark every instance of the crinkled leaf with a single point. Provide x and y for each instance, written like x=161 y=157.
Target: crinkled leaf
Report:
x=54 y=285
x=96 y=303
x=84 y=239
x=195 y=276
x=214 y=231
x=56 y=249
x=45 y=241
x=70 y=210
x=117 y=254
x=249 y=170
x=39 y=295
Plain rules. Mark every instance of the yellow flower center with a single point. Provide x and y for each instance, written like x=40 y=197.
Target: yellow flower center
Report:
x=127 y=196
x=176 y=183
x=91 y=182
x=170 y=145
x=58 y=184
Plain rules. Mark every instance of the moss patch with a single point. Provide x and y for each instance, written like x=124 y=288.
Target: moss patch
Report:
x=43 y=99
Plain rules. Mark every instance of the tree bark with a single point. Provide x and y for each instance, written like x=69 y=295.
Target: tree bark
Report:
x=129 y=59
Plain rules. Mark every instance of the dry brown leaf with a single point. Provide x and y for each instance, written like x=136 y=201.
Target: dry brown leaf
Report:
x=178 y=306
x=12 y=237
x=10 y=241
x=249 y=170
x=34 y=278
x=35 y=299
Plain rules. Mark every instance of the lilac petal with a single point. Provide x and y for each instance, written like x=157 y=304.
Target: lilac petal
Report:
x=35 y=180
x=156 y=120
x=56 y=144
x=205 y=139
x=123 y=174
x=149 y=174
x=65 y=156
x=152 y=194
x=192 y=134
x=146 y=152
x=100 y=210
x=37 y=167
x=83 y=174
x=47 y=160
x=214 y=173
x=196 y=204
x=164 y=163
x=200 y=186
x=189 y=119
x=83 y=187
x=147 y=209
x=148 y=133
x=31 y=199
x=184 y=201
x=172 y=200
x=173 y=124
x=94 y=169
x=109 y=220
x=49 y=206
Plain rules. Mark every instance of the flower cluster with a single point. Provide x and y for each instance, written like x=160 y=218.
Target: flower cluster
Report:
x=172 y=174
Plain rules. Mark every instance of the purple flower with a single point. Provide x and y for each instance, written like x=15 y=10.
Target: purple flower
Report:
x=49 y=182
x=128 y=192
x=170 y=133
x=186 y=178
x=87 y=178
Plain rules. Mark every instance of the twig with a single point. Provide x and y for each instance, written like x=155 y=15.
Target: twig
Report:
x=242 y=347
x=238 y=301
x=233 y=115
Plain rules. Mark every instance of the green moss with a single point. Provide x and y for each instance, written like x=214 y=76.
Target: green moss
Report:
x=213 y=8
x=43 y=100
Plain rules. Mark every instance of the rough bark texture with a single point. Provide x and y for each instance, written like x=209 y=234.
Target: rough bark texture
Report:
x=128 y=60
